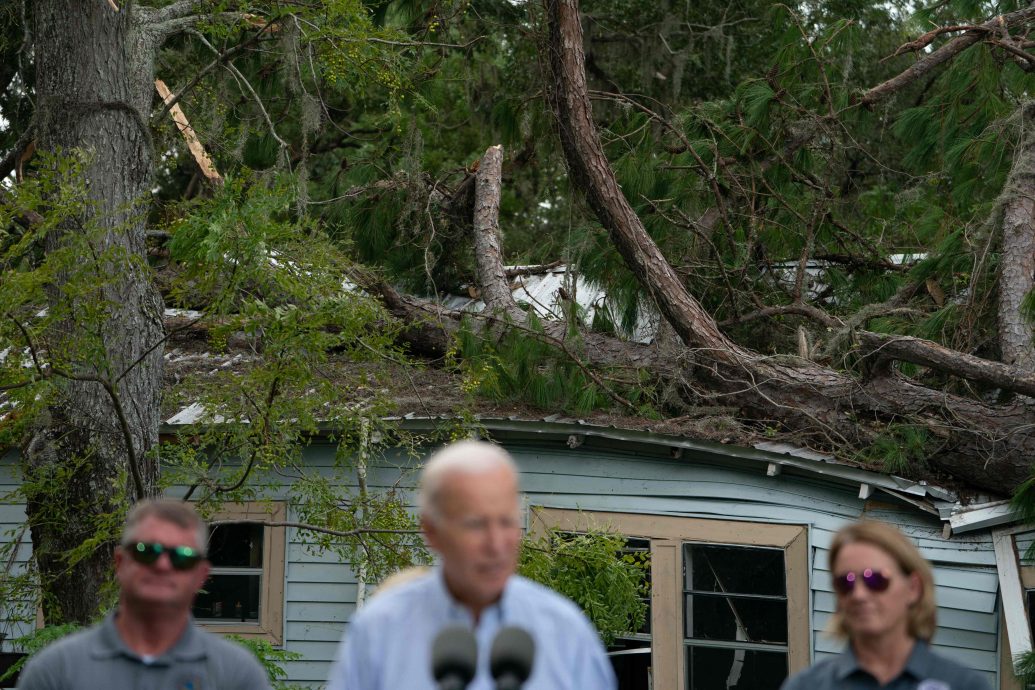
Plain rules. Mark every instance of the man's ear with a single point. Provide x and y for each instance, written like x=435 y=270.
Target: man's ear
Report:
x=427 y=525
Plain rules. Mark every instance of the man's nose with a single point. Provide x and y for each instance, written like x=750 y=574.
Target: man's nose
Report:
x=163 y=562
x=498 y=537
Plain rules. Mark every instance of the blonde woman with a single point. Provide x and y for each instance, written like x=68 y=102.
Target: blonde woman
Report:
x=886 y=610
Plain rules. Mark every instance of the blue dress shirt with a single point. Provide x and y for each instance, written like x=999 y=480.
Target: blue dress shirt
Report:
x=388 y=642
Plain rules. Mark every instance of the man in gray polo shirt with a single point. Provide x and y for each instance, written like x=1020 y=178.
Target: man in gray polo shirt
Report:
x=150 y=641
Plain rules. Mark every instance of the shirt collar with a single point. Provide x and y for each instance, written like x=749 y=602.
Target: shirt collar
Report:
x=918 y=665
x=109 y=644
x=458 y=612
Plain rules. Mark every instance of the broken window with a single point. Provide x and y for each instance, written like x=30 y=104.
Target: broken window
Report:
x=734 y=617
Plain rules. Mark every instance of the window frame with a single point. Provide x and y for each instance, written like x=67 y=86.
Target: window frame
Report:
x=667 y=534
x=270 y=626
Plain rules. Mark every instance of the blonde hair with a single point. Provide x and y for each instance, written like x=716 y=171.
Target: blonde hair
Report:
x=923 y=613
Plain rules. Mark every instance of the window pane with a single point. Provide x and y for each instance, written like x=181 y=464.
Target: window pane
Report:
x=631 y=660
x=1031 y=611
x=237 y=545
x=638 y=552
x=734 y=669
x=229 y=598
x=734 y=569
x=735 y=619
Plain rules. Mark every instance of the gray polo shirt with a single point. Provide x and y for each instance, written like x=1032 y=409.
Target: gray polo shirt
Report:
x=924 y=670
x=98 y=659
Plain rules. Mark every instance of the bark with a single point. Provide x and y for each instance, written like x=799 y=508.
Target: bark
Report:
x=488 y=250
x=988 y=447
x=94 y=86
x=1017 y=256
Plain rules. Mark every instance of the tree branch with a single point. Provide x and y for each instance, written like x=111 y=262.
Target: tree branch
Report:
x=220 y=59
x=323 y=530
x=882 y=348
x=177 y=10
x=10 y=161
x=242 y=79
x=942 y=55
x=798 y=309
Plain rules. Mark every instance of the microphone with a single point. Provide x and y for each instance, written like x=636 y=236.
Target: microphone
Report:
x=454 y=657
x=510 y=660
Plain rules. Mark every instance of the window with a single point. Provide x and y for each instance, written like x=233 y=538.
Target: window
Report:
x=244 y=593
x=729 y=600
x=734 y=616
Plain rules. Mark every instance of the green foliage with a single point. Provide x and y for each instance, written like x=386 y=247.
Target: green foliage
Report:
x=523 y=367
x=385 y=534
x=903 y=448
x=271 y=658
x=592 y=570
x=1025 y=666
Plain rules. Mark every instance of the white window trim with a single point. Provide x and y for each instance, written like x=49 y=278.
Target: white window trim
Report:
x=1011 y=590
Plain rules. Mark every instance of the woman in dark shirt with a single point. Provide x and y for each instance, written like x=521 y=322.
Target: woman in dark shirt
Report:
x=886 y=609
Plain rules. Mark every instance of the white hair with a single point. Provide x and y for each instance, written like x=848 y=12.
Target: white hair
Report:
x=462 y=457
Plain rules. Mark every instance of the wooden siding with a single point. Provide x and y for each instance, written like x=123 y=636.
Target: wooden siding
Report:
x=320 y=592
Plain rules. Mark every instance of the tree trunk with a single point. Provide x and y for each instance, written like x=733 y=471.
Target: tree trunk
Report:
x=488 y=248
x=1017 y=258
x=94 y=86
x=988 y=447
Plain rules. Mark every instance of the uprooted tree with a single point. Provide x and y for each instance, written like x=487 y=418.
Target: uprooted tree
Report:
x=829 y=207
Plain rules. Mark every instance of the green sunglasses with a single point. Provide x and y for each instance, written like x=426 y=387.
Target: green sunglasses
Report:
x=180 y=557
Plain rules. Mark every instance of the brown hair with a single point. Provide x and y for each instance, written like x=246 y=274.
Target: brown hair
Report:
x=923 y=613
x=179 y=513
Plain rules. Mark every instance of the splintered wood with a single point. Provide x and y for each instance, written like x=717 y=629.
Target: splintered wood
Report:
x=189 y=136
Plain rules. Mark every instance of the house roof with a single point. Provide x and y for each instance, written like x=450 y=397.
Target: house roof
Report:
x=773 y=458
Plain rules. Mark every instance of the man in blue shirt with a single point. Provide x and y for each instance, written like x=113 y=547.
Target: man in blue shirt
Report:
x=470 y=514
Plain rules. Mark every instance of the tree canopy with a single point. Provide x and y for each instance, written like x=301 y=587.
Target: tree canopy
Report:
x=827 y=206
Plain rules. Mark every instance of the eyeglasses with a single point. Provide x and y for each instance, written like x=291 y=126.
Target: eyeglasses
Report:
x=875 y=581
x=180 y=557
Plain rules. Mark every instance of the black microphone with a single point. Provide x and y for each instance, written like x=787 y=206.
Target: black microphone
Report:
x=510 y=660
x=454 y=657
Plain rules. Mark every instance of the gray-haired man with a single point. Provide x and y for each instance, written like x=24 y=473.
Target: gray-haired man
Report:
x=470 y=512
x=150 y=641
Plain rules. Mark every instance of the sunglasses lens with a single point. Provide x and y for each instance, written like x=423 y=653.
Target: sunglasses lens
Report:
x=180 y=557
x=875 y=580
x=145 y=553
x=184 y=557
x=844 y=584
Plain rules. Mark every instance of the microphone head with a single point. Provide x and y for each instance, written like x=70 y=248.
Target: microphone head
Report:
x=513 y=652
x=454 y=655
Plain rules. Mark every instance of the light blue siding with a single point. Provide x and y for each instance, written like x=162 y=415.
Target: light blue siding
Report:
x=320 y=592
x=15 y=616
x=965 y=573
